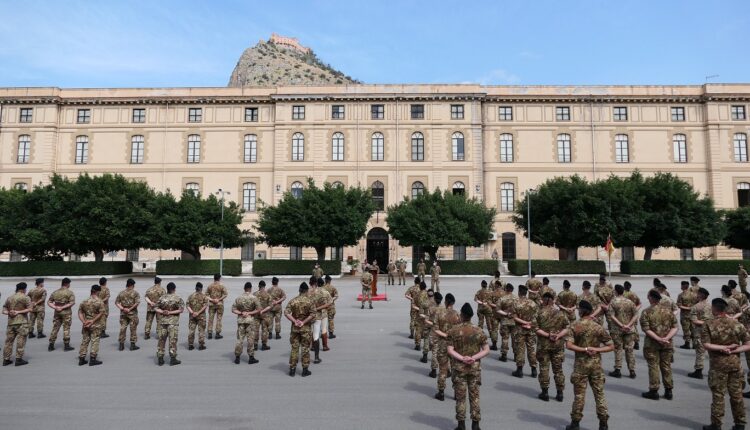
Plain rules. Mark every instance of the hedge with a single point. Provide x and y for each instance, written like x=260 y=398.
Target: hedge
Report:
x=680 y=267
x=461 y=267
x=556 y=267
x=197 y=267
x=65 y=268
x=294 y=267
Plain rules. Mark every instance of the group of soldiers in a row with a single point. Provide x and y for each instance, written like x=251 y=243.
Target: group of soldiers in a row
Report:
x=540 y=323
x=399 y=269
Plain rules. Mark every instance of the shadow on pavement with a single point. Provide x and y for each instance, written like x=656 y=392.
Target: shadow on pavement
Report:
x=423 y=389
x=517 y=389
x=281 y=367
x=624 y=389
x=418 y=370
x=550 y=421
x=432 y=421
x=669 y=420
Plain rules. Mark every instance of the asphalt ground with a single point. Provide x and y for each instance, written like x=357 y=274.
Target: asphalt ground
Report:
x=371 y=378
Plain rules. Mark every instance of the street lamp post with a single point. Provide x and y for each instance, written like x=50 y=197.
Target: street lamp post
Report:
x=528 y=226
x=221 y=239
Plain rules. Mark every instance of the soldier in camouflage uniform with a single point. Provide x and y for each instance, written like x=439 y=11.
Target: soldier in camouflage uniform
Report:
x=401 y=266
x=534 y=289
x=278 y=295
x=724 y=339
x=738 y=295
x=685 y=301
x=216 y=294
x=127 y=302
x=391 y=268
x=604 y=291
x=546 y=289
x=446 y=320
x=197 y=303
x=504 y=309
x=421 y=269
x=317 y=271
x=742 y=278
x=152 y=297
x=411 y=294
x=597 y=315
x=637 y=302
x=170 y=306
x=334 y=293
x=416 y=305
x=733 y=307
x=37 y=295
x=424 y=312
x=366 y=284
x=484 y=311
x=265 y=319
x=567 y=301
x=551 y=327
x=588 y=340
x=434 y=314
x=321 y=300
x=61 y=300
x=301 y=312
x=91 y=312
x=622 y=318
x=16 y=307
x=246 y=307
x=524 y=313
x=435 y=276
x=659 y=325
x=699 y=315
x=104 y=297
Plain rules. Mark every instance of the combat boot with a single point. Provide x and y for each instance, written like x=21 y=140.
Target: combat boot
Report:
x=370 y=305
x=494 y=346
x=265 y=348
x=603 y=425
x=201 y=347
x=236 y=359
x=219 y=336
x=278 y=336
x=544 y=395
x=668 y=394
x=698 y=374
x=461 y=425
x=134 y=347
x=651 y=394
x=411 y=334
x=475 y=425
x=210 y=335
x=160 y=361
x=104 y=335
x=424 y=358
x=332 y=336
x=746 y=395
x=685 y=345
x=32 y=335
x=7 y=362
x=503 y=357
x=417 y=348
x=440 y=395
x=93 y=361
x=51 y=347
x=316 y=349
x=255 y=346
x=191 y=347
x=433 y=373
x=574 y=425
x=738 y=427
x=41 y=335
x=518 y=373
x=637 y=345
x=252 y=360
x=325 y=342
x=363 y=305
x=82 y=361
x=632 y=374
x=559 y=396
x=306 y=372
x=68 y=347
x=533 y=372
x=292 y=371
x=173 y=361
x=147 y=336
x=616 y=374
x=121 y=347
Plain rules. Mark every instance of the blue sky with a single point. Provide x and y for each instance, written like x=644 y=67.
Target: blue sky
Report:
x=155 y=43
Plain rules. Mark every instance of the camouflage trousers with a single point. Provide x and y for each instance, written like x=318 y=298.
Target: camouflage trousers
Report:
x=413 y=316
x=469 y=380
x=508 y=334
x=168 y=331
x=300 y=339
x=63 y=321
x=129 y=320
x=367 y=296
x=426 y=334
x=444 y=363
x=435 y=283
x=276 y=315
x=687 y=329
x=623 y=346
x=91 y=336
x=215 y=313
x=105 y=317
x=15 y=333
x=391 y=279
x=482 y=316
x=265 y=325
x=418 y=331
x=38 y=318
x=700 y=351
x=246 y=332
x=402 y=278
x=199 y=323
x=580 y=380
x=433 y=348
x=525 y=346
x=659 y=361
x=555 y=357
x=331 y=316
x=721 y=382
x=743 y=286
x=150 y=315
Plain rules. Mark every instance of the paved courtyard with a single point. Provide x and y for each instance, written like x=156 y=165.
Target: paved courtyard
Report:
x=371 y=378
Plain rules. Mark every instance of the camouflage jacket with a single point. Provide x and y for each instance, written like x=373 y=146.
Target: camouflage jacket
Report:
x=686 y=298
x=318 y=272
x=659 y=320
x=483 y=295
x=264 y=298
x=700 y=311
x=216 y=291
x=525 y=309
x=446 y=320
x=170 y=302
x=724 y=331
x=588 y=333
x=632 y=297
x=92 y=307
x=38 y=294
x=246 y=303
x=127 y=298
x=104 y=295
x=334 y=294
x=197 y=301
x=551 y=320
x=17 y=302
x=62 y=297
x=300 y=308
x=319 y=298
x=466 y=339
x=154 y=294
x=567 y=298
x=547 y=289
x=507 y=303
x=605 y=292
x=435 y=271
x=366 y=280
x=622 y=309
x=276 y=294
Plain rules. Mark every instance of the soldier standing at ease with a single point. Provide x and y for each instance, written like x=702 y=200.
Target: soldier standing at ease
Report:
x=152 y=296
x=366 y=283
x=434 y=314
x=660 y=326
x=504 y=309
x=61 y=300
x=317 y=271
x=197 y=303
x=127 y=302
x=425 y=307
x=170 y=306
x=278 y=295
x=265 y=319
x=588 y=340
x=742 y=278
x=416 y=305
x=435 y=277
x=637 y=302
x=411 y=295
x=246 y=307
x=467 y=344
x=604 y=291
x=685 y=301
x=623 y=315
x=421 y=268
x=391 y=272
x=91 y=312
x=699 y=315
x=401 y=266
x=724 y=338
x=567 y=301
x=300 y=311
x=216 y=295
x=524 y=313
x=37 y=295
x=594 y=301
x=534 y=289
x=552 y=329
x=446 y=320
x=334 y=293
x=484 y=311
x=104 y=297
x=16 y=307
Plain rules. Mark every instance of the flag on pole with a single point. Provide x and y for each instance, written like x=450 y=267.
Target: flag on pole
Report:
x=609 y=246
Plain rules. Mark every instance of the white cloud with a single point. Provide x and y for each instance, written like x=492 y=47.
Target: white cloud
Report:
x=499 y=77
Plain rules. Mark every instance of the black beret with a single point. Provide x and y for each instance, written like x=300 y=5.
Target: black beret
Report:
x=586 y=306
x=467 y=311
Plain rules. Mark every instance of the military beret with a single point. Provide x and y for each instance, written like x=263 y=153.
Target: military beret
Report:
x=66 y=281
x=522 y=289
x=303 y=287
x=198 y=286
x=96 y=287
x=586 y=306
x=719 y=303
x=703 y=291
x=20 y=286
x=548 y=295
x=586 y=285
x=171 y=286
x=467 y=311
x=39 y=281
x=248 y=285
x=262 y=284
x=695 y=279
x=566 y=283
x=130 y=281
x=157 y=280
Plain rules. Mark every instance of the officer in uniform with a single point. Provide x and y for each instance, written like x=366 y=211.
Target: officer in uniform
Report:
x=524 y=313
x=421 y=268
x=216 y=295
x=401 y=265
x=567 y=301
x=366 y=283
x=278 y=295
x=504 y=309
x=622 y=318
x=127 y=302
x=446 y=320
x=169 y=307
x=411 y=295
x=685 y=301
x=37 y=295
x=435 y=277
x=301 y=312
x=16 y=307
x=700 y=313
x=334 y=293
x=317 y=271
x=246 y=307
x=104 y=297
x=61 y=300
x=265 y=319
x=659 y=325
x=551 y=326
x=152 y=296
x=391 y=272
x=91 y=312
x=484 y=311
x=197 y=303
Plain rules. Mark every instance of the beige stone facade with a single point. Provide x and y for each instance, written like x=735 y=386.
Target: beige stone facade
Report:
x=493 y=142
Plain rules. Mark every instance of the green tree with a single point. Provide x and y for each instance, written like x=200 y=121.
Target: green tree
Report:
x=738 y=228
x=320 y=218
x=26 y=224
x=440 y=219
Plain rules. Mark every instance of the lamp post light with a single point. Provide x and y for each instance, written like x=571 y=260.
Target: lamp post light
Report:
x=221 y=193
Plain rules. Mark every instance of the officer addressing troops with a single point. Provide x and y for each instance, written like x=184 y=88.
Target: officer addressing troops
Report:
x=659 y=325
x=246 y=307
x=317 y=271
x=91 y=312
x=197 y=303
x=366 y=283
x=127 y=302
x=552 y=330
x=169 y=307
x=278 y=295
x=300 y=311
x=217 y=292
x=401 y=266
x=742 y=278
x=623 y=315
x=421 y=268
x=446 y=320
x=153 y=295
x=16 y=307
x=334 y=293
x=37 y=295
x=104 y=295
x=61 y=300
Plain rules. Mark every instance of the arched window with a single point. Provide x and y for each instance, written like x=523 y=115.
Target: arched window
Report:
x=740 y=147
x=136 y=150
x=417 y=189
x=250 y=153
x=378 y=195
x=507 y=197
x=24 y=149
x=82 y=149
x=337 y=147
x=459 y=188
x=248 y=196
x=679 y=148
x=194 y=149
x=298 y=147
x=506 y=148
x=743 y=194
x=563 y=148
x=622 y=150
x=377 y=147
x=193 y=187
x=457 y=143
x=338 y=184
x=23 y=186
x=417 y=147
x=297 y=189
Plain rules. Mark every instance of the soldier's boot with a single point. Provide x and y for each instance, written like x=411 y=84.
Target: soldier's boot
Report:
x=503 y=357
x=68 y=347
x=424 y=357
x=173 y=361
x=574 y=425
x=236 y=359
x=544 y=395
x=219 y=336
x=416 y=347
x=637 y=345
x=93 y=361
x=134 y=347
x=122 y=346
x=265 y=347
x=738 y=427
x=278 y=336
x=698 y=374
x=160 y=361
x=632 y=374
x=518 y=373
x=51 y=347
x=210 y=335
x=147 y=336
x=306 y=372
x=448 y=375
x=711 y=427
x=651 y=394
x=363 y=304
x=475 y=425
x=191 y=347
x=316 y=348
x=433 y=373
x=440 y=395
x=7 y=362
x=461 y=425
x=292 y=371
x=668 y=394
x=31 y=334
x=255 y=346
x=252 y=360
x=41 y=335
x=411 y=334
x=494 y=346
x=370 y=305
x=559 y=396
x=533 y=372
x=603 y=425
x=332 y=336
x=685 y=345
x=616 y=374
x=325 y=342
x=201 y=347
x=746 y=395
x=82 y=361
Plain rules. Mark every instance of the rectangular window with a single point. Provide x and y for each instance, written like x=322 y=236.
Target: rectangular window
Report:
x=620 y=113
x=417 y=111
x=740 y=147
x=251 y=114
x=457 y=111
x=678 y=113
x=195 y=114
x=459 y=253
x=621 y=149
x=509 y=246
x=680 y=148
x=505 y=113
x=506 y=148
x=82 y=150
x=194 y=149
x=562 y=113
x=746 y=254
x=131 y=255
x=458 y=147
x=628 y=253
x=84 y=116
x=738 y=113
x=298 y=112
x=26 y=115
x=247 y=253
x=139 y=116
x=337 y=254
x=377 y=111
x=563 y=148
x=24 y=149
x=295 y=253
x=136 y=150
x=337 y=112
x=251 y=149
x=686 y=254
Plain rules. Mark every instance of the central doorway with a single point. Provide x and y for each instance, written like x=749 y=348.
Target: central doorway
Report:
x=377 y=247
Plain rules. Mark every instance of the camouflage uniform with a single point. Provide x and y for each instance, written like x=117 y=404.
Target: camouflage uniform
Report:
x=170 y=324
x=659 y=320
x=265 y=321
x=320 y=297
x=535 y=290
x=745 y=321
x=484 y=312
x=104 y=295
x=300 y=307
x=494 y=297
x=401 y=266
x=434 y=313
x=742 y=279
x=126 y=299
x=435 y=278
x=506 y=303
x=413 y=292
x=276 y=294
x=568 y=299
x=425 y=304
x=318 y=272
x=686 y=298
x=366 y=283
x=61 y=297
x=153 y=294
x=421 y=270
x=588 y=369
x=37 y=294
x=725 y=371
x=391 y=268
x=525 y=339
x=334 y=293
x=90 y=308
x=551 y=320
x=467 y=339
x=624 y=310
x=18 y=325
x=247 y=327
x=595 y=303
x=700 y=311
x=637 y=302
x=606 y=294
x=196 y=302
x=215 y=311
x=446 y=320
